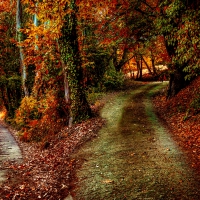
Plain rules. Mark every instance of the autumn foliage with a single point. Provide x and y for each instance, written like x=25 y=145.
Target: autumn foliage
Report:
x=68 y=48
x=40 y=119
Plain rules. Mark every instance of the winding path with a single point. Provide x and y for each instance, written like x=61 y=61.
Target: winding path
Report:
x=9 y=150
x=133 y=156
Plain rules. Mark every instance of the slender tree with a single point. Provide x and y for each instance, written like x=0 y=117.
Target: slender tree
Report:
x=19 y=39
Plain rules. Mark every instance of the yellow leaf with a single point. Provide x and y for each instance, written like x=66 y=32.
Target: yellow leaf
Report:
x=108 y=181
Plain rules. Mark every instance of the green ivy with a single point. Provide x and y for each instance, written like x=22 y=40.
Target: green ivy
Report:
x=79 y=107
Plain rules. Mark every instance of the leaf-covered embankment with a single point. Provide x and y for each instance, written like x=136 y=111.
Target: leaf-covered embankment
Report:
x=45 y=172
x=181 y=114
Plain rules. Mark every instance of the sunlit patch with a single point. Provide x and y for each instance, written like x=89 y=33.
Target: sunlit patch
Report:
x=2 y=114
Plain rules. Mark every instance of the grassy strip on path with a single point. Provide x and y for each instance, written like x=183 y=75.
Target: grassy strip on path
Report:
x=133 y=157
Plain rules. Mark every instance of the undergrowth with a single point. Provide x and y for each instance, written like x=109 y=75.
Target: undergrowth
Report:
x=39 y=119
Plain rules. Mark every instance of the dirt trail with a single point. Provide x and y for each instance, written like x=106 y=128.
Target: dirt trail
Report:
x=133 y=156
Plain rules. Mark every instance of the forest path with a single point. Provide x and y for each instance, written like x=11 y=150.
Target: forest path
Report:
x=9 y=150
x=133 y=156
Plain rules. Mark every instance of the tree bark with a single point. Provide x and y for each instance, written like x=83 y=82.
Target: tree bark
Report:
x=153 y=64
x=19 y=38
x=176 y=77
x=79 y=107
x=176 y=83
x=123 y=60
x=147 y=65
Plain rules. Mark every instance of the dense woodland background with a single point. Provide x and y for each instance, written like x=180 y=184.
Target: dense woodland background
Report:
x=55 y=56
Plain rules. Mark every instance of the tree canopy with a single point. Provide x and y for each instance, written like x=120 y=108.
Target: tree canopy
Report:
x=53 y=53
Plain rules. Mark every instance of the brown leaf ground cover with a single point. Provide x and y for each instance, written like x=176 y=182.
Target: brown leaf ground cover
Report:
x=181 y=114
x=45 y=172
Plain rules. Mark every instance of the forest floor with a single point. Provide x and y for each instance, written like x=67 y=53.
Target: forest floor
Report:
x=52 y=172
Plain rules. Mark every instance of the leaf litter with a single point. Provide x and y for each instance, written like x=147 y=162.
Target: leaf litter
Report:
x=182 y=119
x=45 y=172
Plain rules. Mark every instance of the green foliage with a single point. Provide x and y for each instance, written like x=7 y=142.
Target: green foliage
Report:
x=112 y=79
x=189 y=44
x=3 y=81
x=10 y=92
x=180 y=26
x=97 y=65
x=196 y=104
x=11 y=82
x=10 y=78
x=27 y=111
x=40 y=118
x=175 y=9
x=14 y=82
x=194 y=107
x=93 y=96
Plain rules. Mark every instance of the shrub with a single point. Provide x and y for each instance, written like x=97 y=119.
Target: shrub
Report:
x=93 y=97
x=113 y=80
x=39 y=119
x=196 y=104
x=194 y=108
x=27 y=111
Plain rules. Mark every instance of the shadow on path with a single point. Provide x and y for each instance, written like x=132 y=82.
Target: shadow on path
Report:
x=133 y=156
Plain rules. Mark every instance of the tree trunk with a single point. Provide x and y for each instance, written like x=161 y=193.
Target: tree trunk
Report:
x=19 y=38
x=79 y=107
x=139 y=69
x=177 y=77
x=123 y=60
x=67 y=94
x=114 y=57
x=147 y=65
x=176 y=83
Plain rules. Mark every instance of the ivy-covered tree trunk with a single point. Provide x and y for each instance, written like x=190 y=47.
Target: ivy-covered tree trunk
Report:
x=79 y=106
